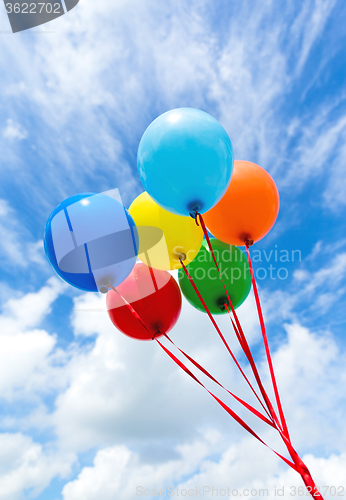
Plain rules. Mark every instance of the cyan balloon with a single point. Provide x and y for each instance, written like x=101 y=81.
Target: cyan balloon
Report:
x=185 y=161
x=91 y=241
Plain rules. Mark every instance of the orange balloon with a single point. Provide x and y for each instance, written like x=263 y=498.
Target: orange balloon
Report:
x=248 y=209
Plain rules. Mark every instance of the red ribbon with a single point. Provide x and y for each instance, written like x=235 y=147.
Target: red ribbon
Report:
x=224 y=406
x=246 y=349
x=221 y=336
x=221 y=403
x=240 y=331
x=266 y=345
x=304 y=471
x=281 y=426
x=133 y=311
x=203 y=370
x=297 y=464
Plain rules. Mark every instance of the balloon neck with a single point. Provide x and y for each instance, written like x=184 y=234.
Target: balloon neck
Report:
x=249 y=242
x=182 y=257
x=104 y=287
x=223 y=303
x=156 y=334
x=194 y=209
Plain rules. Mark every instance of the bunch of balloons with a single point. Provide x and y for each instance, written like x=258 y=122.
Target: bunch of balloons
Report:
x=193 y=188
x=185 y=162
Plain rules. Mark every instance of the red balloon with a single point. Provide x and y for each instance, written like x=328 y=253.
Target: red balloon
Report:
x=154 y=295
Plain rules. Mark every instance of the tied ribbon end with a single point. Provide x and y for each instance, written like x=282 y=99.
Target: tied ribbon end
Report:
x=157 y=334
x=195 y=214
x=249 y=242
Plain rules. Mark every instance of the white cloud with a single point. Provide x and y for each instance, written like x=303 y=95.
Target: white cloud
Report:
x=25 y=466
x=308 y=27
x=106 y=399
x=111 y=384
x=27 y=354
x=320 y=149
x=239 y=469
x=20 y=354
x=119 y=473
x=16 y=245
x=116 y=67
x=118 y=394
x=319 y=290
x=23 y=313
x=332 y=273
x=334 y=195
x=311 y=376
x=14 y=131
x=10 y=246
x=310 y=370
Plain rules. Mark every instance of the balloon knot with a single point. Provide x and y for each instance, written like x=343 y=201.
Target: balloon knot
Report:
x=249 y=242
x=182 y=257
x=223 y=304
x=194 y=214
x=156 y=334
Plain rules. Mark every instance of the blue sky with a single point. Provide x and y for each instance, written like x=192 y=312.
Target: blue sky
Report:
x=86 y=413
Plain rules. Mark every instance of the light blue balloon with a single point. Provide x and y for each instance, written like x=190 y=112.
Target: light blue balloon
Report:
x=185 y=161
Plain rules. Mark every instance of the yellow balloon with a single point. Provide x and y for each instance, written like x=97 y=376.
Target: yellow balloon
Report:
x=164 y=236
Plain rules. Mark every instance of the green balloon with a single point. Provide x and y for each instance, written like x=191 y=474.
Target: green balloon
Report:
x=235 y=272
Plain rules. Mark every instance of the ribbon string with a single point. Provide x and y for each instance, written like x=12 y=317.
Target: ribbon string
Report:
x=224 y=406
x=297 y=464
x=241 y=401
x=132 y=310
x=266 y=345
x=240 y=330
x=246 y=349
x=222 y=337
x=304 y=471
x=280 y=425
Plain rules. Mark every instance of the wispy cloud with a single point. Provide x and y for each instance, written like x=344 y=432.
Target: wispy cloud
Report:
x=14 y=131
x=17 y=246
x=102 y=90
